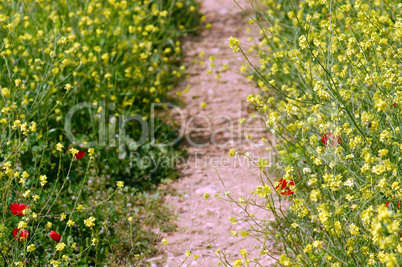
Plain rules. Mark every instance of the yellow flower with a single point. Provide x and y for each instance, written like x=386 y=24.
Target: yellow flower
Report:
x=22 y=225
x=68 y=87
x=238 y=262
x=308 y=249
x=43 y=180
x=234 y=43
x=60 y=246
x=59 y=147
x=31 y=248
x=243 y=252
x=73 y=151
x=232 y=152
x=91 y=151
x=90 y=222
x=165 y=242
x=353 y=229
x=120 y=184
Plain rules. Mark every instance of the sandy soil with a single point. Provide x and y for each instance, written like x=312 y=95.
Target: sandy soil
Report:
x=204 y=222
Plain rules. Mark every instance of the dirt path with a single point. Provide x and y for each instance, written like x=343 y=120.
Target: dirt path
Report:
x=207 y=222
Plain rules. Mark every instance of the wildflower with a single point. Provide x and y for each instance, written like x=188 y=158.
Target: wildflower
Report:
x=20 y=234
x=120 y=184
x=165 y=242
x=90 y=222
x=17 y=82
x=315 y=195
x=18 y=209
x=22 y=225
x=234 y=43
x=43 y=180
x=94 y=241
x=284 y=260
x=308 y=249
x=188 y=253
x=353 y=229
x=70 y=223
x=91 y=152
x=283 y=186
x=31 y=248
x=328 y=139
x=68 y=87
x=32 y=128
x=238 y=262
x=303 y=42
x=55 y=263
x=55 y=236
x=263 y=191
x=59 y=147
x=80 y=154
x=73 y=151
x=232 y=152
x=243 y=252
x=60 y=246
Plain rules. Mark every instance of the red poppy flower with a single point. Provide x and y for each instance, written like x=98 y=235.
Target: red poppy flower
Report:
x=330 y=139
x=55 y=236
x=387 y=204
x=23 y=234
x=283 y=186
x=17 y=209
x=80 y=155
x=394 y=105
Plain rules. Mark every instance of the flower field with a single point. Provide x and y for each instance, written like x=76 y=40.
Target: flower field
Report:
x=71 y=75
x=87 y=89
